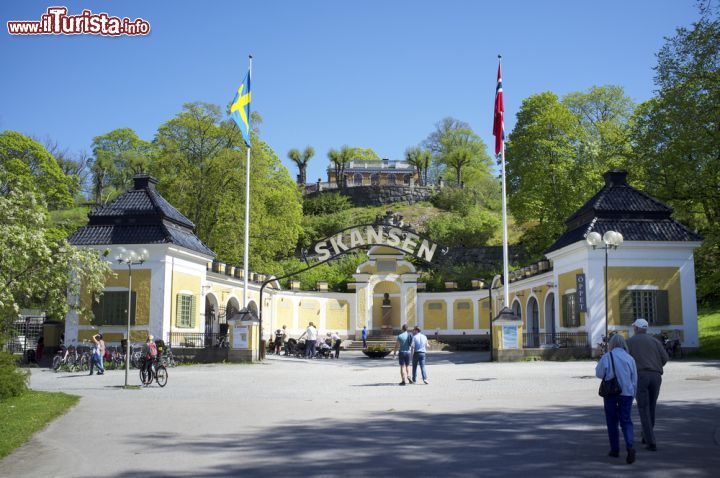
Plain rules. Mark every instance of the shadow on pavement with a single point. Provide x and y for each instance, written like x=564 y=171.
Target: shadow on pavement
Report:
x=568 y=441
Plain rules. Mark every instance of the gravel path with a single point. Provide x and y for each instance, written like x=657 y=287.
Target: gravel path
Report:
x=291 y=417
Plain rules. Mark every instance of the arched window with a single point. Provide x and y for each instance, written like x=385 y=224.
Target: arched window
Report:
x=550 y=318
x=533 y=324
x=517 y=308
x=391 y=179
x=375 y=179
x=358 y=179
x=407 y=178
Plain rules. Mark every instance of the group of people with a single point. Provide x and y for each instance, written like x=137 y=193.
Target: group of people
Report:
x=313 y=341
x=411 y=345
x=637 y=364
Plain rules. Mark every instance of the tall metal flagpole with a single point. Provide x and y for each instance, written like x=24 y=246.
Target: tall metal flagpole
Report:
x=247 y=210
x=506 y=276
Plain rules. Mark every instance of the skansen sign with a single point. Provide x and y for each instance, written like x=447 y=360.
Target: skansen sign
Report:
x=357 y=237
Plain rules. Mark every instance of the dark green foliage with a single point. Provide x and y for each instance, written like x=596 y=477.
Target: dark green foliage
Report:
x=13 y=381
x=326 y=203
x=336 y=273
x=463 y=274
x=320 y=227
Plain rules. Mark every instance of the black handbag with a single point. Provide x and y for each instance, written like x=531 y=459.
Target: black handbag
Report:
x=610 y=388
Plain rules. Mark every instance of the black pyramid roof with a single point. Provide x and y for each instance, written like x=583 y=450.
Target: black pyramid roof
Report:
x=139 y=216
x=622 y=208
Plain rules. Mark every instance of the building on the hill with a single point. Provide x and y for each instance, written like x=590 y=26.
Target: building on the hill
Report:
x=182 y=296
x=376 y=173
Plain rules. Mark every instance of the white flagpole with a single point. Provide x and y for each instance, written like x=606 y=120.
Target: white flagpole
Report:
x=246 y=273
x=506 y=277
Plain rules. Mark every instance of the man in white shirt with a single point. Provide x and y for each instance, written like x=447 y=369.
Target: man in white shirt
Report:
x=336 y=341
x=311 y=336
x=419 y=345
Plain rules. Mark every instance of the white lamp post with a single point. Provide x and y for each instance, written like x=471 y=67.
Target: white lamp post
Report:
x=130 y=258
x=611 y=240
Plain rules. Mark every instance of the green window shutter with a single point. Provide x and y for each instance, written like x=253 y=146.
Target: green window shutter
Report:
x=192 y=311
x=178 y=311
x=662 y=312
x=627 y=317
x=575 y=313
x=565 y=311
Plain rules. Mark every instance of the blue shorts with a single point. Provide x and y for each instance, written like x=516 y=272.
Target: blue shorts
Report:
x=404 y=358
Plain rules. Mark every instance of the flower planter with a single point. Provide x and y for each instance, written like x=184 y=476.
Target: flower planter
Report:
x=376 y=354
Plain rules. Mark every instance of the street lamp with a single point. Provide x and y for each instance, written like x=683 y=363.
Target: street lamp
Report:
x=130 y=258
x=612 y=240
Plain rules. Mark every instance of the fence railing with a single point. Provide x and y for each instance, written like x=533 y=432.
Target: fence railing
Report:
x=533 y=340
x=24 y=334
x=197 y=340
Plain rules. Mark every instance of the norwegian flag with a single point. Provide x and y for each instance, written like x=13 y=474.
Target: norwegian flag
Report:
x=499 y=122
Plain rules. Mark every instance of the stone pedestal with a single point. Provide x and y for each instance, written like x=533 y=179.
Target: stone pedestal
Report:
x=386 y=326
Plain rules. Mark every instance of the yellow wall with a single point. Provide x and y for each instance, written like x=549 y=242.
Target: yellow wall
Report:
x=463 y=318
x=567 y=281
x=283 y=312
x=186 y=282
x=141 y=287
x=361 y=308
x=435 y=319
x=665 y=278
x=309 y=312
x=337 y=318
x=484 y=312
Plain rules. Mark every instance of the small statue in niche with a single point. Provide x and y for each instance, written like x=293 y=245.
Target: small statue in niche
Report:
x=386 y=299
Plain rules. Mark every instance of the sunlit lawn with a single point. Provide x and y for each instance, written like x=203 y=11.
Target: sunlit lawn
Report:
x=21 y=417
x=709 y=331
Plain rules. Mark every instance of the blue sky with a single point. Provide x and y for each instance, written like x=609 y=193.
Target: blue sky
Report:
x=375 y=74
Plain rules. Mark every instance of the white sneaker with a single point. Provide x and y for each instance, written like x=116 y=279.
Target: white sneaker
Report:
x=425 y=381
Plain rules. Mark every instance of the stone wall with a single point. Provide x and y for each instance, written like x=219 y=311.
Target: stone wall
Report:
x=380 y=195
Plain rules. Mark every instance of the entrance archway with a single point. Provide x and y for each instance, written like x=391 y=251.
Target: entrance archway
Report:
x=385 y=305
x=533 y=323
x=212 y=324
x=550 y=318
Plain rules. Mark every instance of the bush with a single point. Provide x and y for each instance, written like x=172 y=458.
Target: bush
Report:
x=468 y=230
x=326 y=203
x=13 y=381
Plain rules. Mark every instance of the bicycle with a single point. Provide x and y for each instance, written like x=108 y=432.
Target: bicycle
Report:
x=158 y=372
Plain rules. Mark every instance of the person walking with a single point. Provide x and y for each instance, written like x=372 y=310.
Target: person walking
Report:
x=336 y=341
x=278 y=341
x=650 y=357
x=364 y=336
x=285 y=339
x=419 y=347
x=402 y=345
x=311 y=336
x=618 y=363
x=150 y=354
x=98 y=352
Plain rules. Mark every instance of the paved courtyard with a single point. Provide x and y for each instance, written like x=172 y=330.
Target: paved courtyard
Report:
x=291 y=417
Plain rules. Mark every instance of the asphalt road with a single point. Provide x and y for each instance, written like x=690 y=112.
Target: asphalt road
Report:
x=292 y=418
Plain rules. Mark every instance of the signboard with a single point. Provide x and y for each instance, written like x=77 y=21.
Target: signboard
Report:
x=240 y=336
x=509 y=337
x=581 y=292
x=377 y=235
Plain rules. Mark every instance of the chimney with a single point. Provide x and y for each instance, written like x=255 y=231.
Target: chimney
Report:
x=144 y=181
x=615 y=177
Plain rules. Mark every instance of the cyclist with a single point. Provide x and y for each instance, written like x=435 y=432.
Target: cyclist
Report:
x=150 y=354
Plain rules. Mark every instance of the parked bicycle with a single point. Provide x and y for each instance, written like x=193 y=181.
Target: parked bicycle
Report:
x=157 y=372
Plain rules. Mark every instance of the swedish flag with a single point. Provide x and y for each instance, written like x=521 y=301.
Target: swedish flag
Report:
x=240 y=109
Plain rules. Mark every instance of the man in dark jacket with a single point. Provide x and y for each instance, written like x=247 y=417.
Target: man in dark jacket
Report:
x=650 y=357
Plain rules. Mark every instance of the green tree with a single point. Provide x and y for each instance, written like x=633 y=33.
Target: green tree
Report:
x=677 y=138
x=340 y=159
x=542 y=170
x=201 y=168
x=26 y=165
x=420 y=159
x=301 y=160
x=119 y=155
x=459 y=154
x=42 y=270
x=604 y=112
